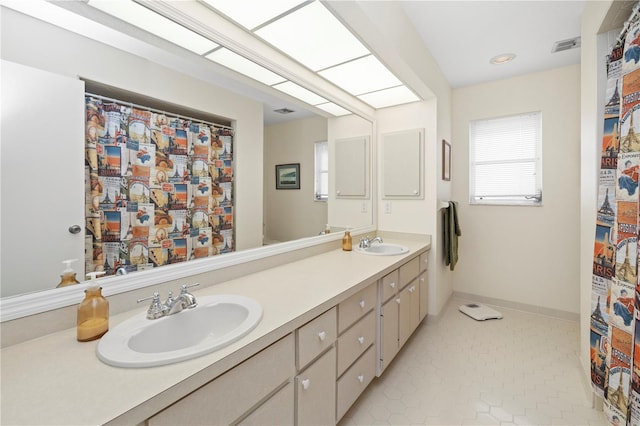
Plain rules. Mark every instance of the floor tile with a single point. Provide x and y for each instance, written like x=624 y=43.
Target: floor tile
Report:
x=521 y=370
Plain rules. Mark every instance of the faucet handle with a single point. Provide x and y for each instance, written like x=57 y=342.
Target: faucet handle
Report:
x=186 y=286
x=169 y=299
x=156 y=309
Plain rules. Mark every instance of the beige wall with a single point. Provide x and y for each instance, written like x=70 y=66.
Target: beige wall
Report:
x=291 y=214
x=524 y=255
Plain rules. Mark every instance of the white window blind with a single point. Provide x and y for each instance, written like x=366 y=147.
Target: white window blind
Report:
x=505 y=160
x=321 y=187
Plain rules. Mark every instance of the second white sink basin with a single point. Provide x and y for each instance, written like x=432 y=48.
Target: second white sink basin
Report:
x=216 y=322
x=383 y=249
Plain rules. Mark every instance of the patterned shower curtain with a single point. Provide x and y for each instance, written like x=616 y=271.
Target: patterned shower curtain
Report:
x=615 y=339
x=159 y=188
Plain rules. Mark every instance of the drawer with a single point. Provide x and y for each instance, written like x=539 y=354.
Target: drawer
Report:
x=355 y=341
x=316 y=392
x=355 y=381
x=409 y=271
x=315 y=336
x=352 y=309
x=424 y=261
x=389 y=285
x=225 y=399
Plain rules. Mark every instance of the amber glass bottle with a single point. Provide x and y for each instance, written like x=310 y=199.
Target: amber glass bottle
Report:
x=346 y=240
x=93 y=315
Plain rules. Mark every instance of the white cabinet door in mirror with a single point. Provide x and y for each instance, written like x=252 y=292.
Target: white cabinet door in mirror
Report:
x=42 y=177
x=402 y=164
x=352 y=167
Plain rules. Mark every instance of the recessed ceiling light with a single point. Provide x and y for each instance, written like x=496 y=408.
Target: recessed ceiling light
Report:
x=502 y=59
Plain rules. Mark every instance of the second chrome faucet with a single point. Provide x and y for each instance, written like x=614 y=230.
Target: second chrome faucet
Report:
x=366 y=242
x=184 y=300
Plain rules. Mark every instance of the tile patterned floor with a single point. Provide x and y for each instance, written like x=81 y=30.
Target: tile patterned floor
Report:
x=521 y=370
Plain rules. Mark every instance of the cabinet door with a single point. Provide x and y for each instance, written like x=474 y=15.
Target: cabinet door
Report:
x=276 y=411
x=316 y=392
x=414 y=305
x=424 y=295
x=230 y=396
x=404 y=316
x=409 y=311
x=389 y=332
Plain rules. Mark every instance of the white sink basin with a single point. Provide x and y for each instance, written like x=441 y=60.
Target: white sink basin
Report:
x=216 y=322
x=383 y=249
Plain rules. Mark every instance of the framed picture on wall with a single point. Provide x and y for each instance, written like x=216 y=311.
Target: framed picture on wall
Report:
x=288 y=176
x=446 y=160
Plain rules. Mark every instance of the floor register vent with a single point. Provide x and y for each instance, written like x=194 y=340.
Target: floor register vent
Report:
x=479 y=312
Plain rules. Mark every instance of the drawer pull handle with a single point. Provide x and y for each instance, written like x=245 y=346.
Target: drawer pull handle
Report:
x=422 y=279
x=362 y=304
x=398 y=300
x=322 y=335
x=361 y=378
x=412 y=289
x=306 y=383
x=392 y=285
x=361 y=340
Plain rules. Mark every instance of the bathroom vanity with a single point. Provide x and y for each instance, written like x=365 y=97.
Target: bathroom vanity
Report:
x=331 y=323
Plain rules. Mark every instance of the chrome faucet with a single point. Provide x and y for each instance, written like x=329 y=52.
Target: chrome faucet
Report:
x=185 y=300
x=157 y=309
x=366 y=242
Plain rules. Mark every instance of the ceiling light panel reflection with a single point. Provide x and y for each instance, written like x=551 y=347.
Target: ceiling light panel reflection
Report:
x=314 y=37
x=333 y=109
x=156 y=24
x=389 y=97
x=300 y=92
x=362 y=75
x=253 y=13
x=244 y=66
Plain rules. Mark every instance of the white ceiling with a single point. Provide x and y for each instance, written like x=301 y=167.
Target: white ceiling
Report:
x=463 y=36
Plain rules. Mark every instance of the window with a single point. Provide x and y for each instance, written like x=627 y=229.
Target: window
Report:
x=505 y=160
x=321 y=187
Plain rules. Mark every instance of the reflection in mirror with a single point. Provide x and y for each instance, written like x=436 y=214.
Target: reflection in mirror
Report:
x=175 y=78
x=297 y=213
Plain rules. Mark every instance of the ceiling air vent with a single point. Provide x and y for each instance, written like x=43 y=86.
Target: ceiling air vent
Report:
x=283 y=111
x=562 y=45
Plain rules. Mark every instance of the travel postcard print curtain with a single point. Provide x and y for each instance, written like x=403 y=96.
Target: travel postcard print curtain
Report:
x=615 y=301
x=159 y=188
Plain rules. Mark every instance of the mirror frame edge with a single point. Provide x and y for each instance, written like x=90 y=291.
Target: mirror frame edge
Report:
x=15 y=307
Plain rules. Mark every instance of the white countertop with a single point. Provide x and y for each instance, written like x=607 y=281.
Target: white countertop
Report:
x=57 y=380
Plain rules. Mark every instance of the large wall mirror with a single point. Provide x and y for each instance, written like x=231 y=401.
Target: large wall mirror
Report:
x=135 y=67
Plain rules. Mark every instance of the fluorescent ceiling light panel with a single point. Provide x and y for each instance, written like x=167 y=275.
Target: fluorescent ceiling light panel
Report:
x=362 y=75
x=252 y=13
x=314 y=37
x=300 y=92
x=334 y=109
x=389 y=97
x=244 y=66
x=156 y=24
